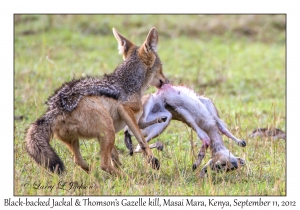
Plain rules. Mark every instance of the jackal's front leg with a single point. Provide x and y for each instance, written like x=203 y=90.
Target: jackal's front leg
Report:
x=127 y=115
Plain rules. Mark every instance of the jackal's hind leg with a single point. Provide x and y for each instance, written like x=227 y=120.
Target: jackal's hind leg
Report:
x=73 y=146
x=115 y=158
x=107 y=141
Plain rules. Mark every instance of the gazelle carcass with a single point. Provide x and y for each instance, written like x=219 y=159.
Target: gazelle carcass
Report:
x=198 y=112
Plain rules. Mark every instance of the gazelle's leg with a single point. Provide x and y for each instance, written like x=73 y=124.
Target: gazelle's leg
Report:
x=128 y=141
x=201 y=155
x=204 y=169
x=158 y=145
x=191 y=122
x=225 y=131
x=201 y=134
x=160 y=119
x=221 y=125
x=155 y=130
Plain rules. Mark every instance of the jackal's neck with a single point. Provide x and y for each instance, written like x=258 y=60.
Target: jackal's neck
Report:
x=129 y=76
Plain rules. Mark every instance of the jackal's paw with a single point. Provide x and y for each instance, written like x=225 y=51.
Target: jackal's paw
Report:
x=154 y=163
x=86 y=169
x=162 y=119
x=242 y=143
x=159 y=146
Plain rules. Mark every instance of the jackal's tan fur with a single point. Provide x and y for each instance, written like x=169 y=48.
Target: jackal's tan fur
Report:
x=98 y=108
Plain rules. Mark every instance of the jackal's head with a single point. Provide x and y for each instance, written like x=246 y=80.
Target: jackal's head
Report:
x=146 y=54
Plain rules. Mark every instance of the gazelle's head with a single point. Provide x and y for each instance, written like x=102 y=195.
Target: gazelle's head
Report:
x=224 y=160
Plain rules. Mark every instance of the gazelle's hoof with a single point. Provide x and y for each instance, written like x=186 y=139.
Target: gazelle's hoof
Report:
x=242 y=143
x=159 y=146
x=194 y=166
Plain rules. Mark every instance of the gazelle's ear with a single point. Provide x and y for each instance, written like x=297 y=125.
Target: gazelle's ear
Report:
x=241 y=161
x=123 y=44
x=151 y=41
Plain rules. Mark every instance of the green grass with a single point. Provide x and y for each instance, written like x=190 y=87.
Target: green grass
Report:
x=237 y=60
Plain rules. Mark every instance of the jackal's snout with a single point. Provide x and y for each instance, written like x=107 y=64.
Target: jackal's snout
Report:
x=159 y=79
x=163 y=82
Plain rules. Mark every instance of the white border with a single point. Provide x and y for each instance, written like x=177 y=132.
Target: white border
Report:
x=8 y=8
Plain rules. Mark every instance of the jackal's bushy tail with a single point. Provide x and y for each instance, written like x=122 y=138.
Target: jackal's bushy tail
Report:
x=38 y=144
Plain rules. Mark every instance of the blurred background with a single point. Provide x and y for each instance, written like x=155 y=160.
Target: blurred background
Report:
x=265 y=28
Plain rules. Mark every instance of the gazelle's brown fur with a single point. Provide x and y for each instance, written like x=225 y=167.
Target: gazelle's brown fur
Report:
x=98 y=108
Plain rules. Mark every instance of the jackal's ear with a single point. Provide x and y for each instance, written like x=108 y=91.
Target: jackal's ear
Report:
x=151 y=41
x=123 y=44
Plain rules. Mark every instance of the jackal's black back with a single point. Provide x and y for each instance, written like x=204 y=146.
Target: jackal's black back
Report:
x=66 y=98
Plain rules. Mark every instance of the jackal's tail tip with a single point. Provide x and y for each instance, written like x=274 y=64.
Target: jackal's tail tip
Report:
x=53 y=164
x=37 y=143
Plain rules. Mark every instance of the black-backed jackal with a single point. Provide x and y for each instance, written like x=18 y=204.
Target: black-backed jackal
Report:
x=98 y=108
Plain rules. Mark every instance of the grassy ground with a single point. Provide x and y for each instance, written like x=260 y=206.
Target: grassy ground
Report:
x=237 y=60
